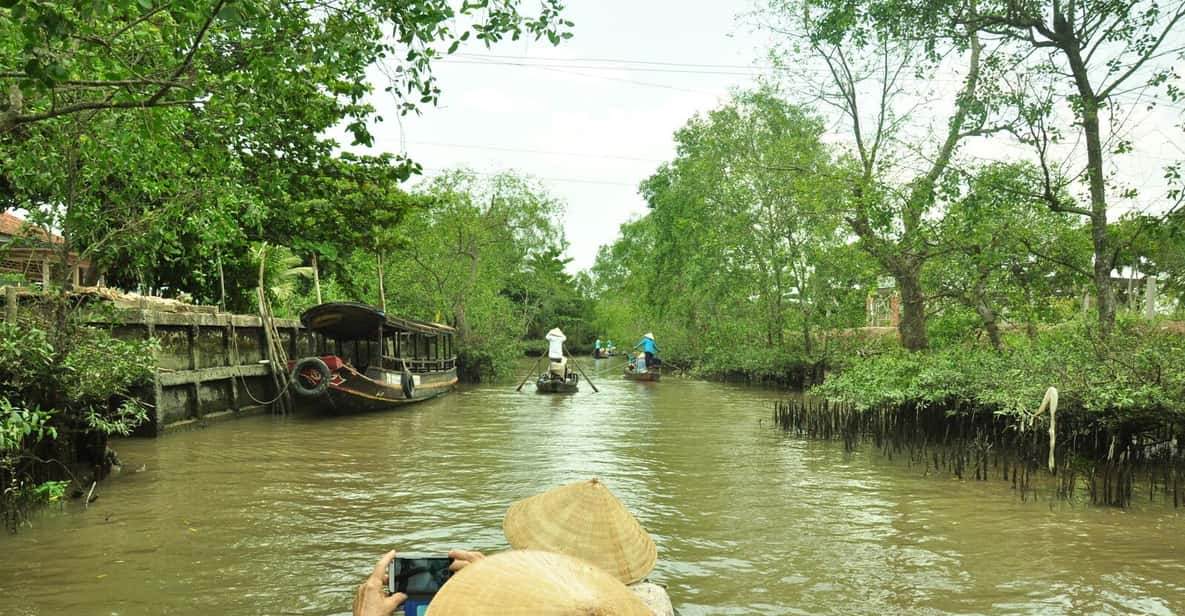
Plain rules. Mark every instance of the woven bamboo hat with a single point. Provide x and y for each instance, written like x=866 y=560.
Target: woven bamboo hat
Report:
x=584 y=520
x=649 y=335
x=534 y=582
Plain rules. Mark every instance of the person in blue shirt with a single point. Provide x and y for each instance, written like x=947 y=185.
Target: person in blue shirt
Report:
x=650 y=348
x=597 y=349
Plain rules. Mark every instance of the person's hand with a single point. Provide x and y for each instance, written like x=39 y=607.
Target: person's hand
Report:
x=369 y=599
x=462 y=559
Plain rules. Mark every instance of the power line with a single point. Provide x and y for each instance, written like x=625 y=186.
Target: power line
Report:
x=548 y=178
x=531 y=151
x=620 y=80
x=734 y=70
x=636 y=69
x=619 y=61
x=557 y=69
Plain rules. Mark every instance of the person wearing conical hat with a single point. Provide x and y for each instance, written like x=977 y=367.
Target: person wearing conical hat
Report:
x=515 y=582
x=585 y=520
x=650 y=348
x=534 y=582
x=558 y=367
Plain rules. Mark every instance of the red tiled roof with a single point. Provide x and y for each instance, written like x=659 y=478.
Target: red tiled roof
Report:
x=15 y=226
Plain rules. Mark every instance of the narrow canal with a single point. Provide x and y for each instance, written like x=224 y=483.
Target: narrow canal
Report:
x=284 y=516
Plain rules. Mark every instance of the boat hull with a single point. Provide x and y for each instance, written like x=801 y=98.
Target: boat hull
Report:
x=649 y=375
x=350 y=391
x=555 y=386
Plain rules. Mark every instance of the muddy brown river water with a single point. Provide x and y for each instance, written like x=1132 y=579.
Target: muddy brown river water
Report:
x=285 y=515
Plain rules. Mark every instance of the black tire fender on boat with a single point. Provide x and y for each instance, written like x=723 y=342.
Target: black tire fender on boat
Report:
x=408 y=382
x=298 y=384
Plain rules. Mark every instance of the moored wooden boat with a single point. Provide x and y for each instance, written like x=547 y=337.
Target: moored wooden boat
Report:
x=368 y=360
x=548 y=385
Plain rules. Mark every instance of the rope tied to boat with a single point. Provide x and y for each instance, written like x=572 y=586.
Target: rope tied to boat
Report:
x=1050 y=402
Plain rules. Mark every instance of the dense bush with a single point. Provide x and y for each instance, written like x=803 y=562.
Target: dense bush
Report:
x=1137 y=376
x=64 y=388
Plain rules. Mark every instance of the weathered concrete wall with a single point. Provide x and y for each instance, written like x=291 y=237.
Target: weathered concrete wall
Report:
x=210 y=364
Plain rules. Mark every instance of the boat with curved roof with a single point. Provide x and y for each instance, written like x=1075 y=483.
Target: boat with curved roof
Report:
x=369 y=360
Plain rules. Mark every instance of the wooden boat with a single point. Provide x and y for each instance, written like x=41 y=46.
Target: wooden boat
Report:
x=549 y=385
x=632 y=374
x=368 y=360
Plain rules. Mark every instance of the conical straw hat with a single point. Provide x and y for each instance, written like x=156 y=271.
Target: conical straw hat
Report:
x=555 y=331
x=584 y=520
x=534 y=582
x=649 y=335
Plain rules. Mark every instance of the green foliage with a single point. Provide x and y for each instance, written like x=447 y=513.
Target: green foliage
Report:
x=68 y=59
x=83 y=376
x=742 y=260
x=20 y=424
x=1136 y=377
x=48 y=492
x=483 y=255
x=1007 y=253
x=282 y=273
x=61 y=385
x=163 y=140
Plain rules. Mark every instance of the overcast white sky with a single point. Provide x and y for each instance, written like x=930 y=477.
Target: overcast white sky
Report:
x=591 y=134
x=599 y=117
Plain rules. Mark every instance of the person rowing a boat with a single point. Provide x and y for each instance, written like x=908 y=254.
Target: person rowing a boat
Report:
x=650 y=348
x=558 y=367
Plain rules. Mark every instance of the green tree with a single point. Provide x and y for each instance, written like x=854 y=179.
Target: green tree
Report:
x=867 y=57
x=59 y=59
x=1005 y=251
x=741 y=259
x=1080 y=57
x=457 y=260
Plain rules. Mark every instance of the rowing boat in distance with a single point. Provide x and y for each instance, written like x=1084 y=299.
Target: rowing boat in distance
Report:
x=633 y=374
x=367 y=360
x=548 y=384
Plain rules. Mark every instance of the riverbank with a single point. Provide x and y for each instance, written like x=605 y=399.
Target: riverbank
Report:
x=1120 y=409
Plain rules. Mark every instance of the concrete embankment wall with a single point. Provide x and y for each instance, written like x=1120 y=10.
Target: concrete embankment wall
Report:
x=211 y=366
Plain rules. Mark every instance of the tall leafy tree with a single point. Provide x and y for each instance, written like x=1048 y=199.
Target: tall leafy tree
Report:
x=867 y=58
x=64 y=58
x=742 y=247
x=461 y=258
x=1007 y=252
x=1091 y=53
x=1071 y=64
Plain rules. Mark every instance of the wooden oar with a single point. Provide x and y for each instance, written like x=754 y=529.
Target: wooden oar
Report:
x=582 y=372
x=520 y=385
